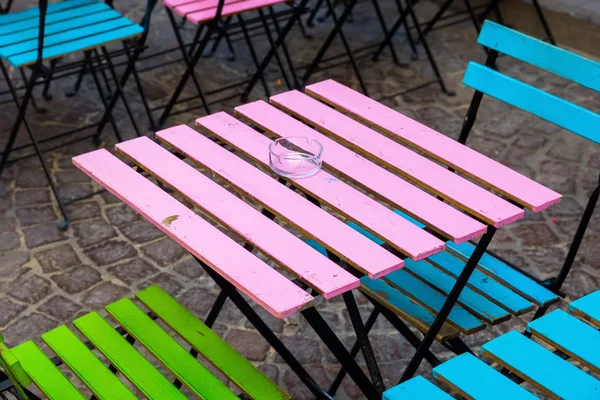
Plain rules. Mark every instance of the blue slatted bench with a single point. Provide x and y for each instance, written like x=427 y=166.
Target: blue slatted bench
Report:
x=71 y=26
x=469 y=377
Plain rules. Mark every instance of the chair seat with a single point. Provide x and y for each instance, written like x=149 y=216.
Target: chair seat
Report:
x=198 y=11
x=71 y=26
x=537 y=365
x=135 y=367
x=494 y=293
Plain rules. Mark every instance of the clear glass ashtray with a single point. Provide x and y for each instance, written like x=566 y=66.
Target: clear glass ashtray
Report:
x=295 y=156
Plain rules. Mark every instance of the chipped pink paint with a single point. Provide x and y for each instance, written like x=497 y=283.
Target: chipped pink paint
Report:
x=433 y=212
x=466 y=195
x=252 y=276
x=520 y=188
x=323 y=227
x=272 y=239
x=380 y=220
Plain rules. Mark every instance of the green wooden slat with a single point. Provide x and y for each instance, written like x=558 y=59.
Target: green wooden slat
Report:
x=241 y=372
x=44 y=373
x=103 y=383
x=185 y=367
x=126 y=358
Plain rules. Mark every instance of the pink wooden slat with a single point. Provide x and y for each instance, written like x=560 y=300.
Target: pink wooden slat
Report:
x=414 y=201
x=344 y=241
x=464 y=159
x=288 y=250
x=200 y=6
x=249 y=274
x=381 y=221
x=175 y=3
x=231 y=9
x=454 y=188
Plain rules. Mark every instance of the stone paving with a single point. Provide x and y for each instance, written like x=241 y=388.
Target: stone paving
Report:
x=48 y=277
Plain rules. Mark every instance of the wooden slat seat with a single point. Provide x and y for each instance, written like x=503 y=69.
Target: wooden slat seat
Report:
x=370 y=214
x=416 y=202
x=84 y=361
x=255 y=278
x=466 y=376
x=198 y=11
x=588 y=308
x=358 y=251
x=416 y=388
x=541 y=367
x=399 y=303
x=443 y=148
x=474 y=379
x=413 y=166
x=70 y=27
x=282 y=246
x=570 y=335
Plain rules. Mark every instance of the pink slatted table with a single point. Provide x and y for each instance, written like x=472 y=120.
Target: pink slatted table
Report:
x=365 y=176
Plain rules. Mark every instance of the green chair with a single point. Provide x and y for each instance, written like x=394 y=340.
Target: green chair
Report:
x=27 y=363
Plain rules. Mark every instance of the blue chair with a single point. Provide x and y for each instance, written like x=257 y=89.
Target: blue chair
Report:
x=498 y=289
x=36 y=38
x=547 y=370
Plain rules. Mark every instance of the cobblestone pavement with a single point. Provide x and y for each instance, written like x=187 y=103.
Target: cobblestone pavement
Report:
x=49 y=277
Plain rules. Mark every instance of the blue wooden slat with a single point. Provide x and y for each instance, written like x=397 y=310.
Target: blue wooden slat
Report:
x=573 y=337
x=482 y=283
x=51 y=29
x=53 y=18
x=433 y=300
x=78 y=45
x=416 y=388
x=404 y=306
x=471 y=300
x=588 y=307
x=541 y=54
x=541 y=367
x=35 y=11
x=522 y=284
x=545 y=105
x=474 y=379
x=65 y=37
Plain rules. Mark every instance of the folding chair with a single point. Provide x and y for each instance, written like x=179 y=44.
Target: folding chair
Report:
x=214 y=17
x=498 y=288
x=492 y=6
x=26 y=363
x=337 y=30
x=546 y=369
x=36 y=36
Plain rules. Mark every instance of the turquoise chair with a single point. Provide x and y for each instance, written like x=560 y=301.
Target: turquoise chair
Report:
x=545 y=369
x=38 y=37
x=498 y=289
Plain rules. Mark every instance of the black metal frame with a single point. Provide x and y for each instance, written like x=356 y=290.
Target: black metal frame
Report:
x=351 y=54
x=40 y=71
x=220 y=26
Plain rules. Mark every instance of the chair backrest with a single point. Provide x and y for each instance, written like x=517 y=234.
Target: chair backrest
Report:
x=484 y=79
x=565 y=114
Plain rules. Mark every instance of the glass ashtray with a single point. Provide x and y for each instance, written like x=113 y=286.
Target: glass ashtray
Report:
x=295 y=156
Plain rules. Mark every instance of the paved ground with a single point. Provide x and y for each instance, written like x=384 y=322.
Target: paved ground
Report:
x=49 y=277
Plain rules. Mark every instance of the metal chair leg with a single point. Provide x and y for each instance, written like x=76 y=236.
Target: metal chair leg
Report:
x=253 y=53
x=272 y=43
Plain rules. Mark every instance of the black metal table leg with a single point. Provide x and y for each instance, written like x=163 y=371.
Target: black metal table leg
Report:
x=336 y=347
x=461 y=282
x=245 y=308
x=363 y=340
